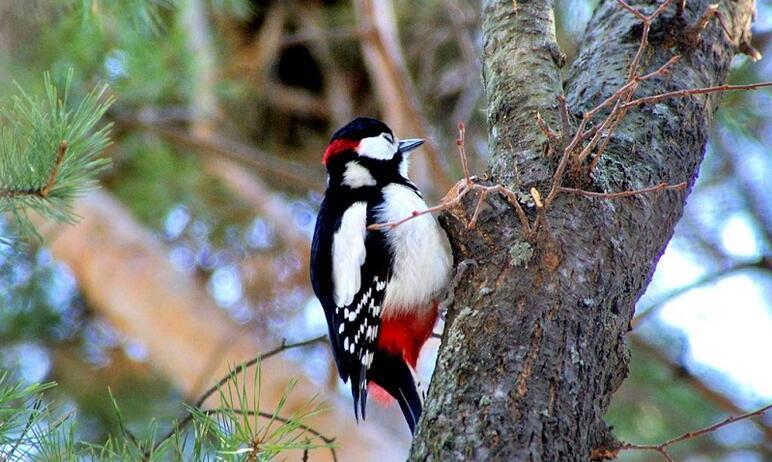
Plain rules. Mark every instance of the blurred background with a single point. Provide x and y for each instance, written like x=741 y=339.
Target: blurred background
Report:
x=194 y=254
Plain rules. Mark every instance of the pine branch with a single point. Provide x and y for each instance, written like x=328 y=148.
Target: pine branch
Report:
x=50 y=152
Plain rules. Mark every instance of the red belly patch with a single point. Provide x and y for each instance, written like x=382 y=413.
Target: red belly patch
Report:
x=407 y=332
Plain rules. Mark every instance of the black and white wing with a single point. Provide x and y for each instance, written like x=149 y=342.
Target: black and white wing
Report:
x=352 y=294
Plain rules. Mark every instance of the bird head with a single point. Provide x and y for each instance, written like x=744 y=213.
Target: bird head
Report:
x=366 y=149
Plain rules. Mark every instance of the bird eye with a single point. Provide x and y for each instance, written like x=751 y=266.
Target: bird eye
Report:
x=389 y=138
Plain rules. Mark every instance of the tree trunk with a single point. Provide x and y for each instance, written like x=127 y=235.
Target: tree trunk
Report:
x=534 y=345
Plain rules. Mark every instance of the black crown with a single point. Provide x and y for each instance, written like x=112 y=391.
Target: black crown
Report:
x=360 y=128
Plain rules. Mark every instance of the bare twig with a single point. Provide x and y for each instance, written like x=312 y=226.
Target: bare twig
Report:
x=747 y=49
x=765 y=263
x=617 y=195
x=55 y=170
x=565 y=121
x=344 y=33
x=461 y=189
x=292 y=172
x=584 y=141
x=663 y=447
x=461 y=144
x=284 y=346
x=576 y=145
x=681 y=373
x=552 y=137
x=695 y=91
x=694 y=32
x=680 y=8
x=44 y=190
x=30 y=420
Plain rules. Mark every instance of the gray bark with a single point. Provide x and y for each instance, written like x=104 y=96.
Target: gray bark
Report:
x=534 y=344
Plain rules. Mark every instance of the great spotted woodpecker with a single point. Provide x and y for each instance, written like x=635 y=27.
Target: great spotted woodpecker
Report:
x=379 y=288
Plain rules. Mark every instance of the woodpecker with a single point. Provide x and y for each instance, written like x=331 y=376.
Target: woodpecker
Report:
x=379 y=288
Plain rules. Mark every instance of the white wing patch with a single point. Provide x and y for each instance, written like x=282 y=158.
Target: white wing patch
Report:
x=348 y=253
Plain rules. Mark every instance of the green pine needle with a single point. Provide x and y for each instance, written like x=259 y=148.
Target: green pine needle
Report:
x=50 y=152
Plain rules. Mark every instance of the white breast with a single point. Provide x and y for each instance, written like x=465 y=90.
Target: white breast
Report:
x=421 y=259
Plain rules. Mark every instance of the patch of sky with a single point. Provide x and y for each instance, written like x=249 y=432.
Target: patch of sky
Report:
x=742 y=433
x=303 y=216
x=260 y=234
x=308 y=324
x=135 y=350
x=739 y=238
x=176 y=221
x=225 y=285
x=183 y=258
x=115 y=65
x=31 y=361
x=727 y=325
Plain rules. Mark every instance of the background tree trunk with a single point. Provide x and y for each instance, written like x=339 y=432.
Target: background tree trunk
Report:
x=534 y=343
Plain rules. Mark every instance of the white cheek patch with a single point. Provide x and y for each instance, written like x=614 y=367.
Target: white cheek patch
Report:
x=377 y=147
x=357 y=176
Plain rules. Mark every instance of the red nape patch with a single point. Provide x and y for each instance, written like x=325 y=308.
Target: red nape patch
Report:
x=379 y=394
x=406 y=334
x=338 y=146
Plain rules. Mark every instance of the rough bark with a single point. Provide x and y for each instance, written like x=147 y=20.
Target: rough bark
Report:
x=534 y=344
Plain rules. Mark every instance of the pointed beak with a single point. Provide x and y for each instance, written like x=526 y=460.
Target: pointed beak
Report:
x=409 y=145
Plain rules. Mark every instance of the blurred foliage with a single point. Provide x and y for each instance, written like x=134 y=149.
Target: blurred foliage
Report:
x=33 y=429
x=156 y=179
x=49 y=152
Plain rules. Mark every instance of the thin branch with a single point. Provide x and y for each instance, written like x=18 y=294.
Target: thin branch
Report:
x=238 y=369
x=283 y=346
x=565 y=120
x=632 y=10
x=642 y=16
x=345 y=33
x=460 y=143
x=653 y=308
x=292 y=172
x=266 y=415
x=662 y=448
x=695 y=31
x=680 y=8
x=30 y=420
x=557 y=177
x=695 y=91
x=657 y=188
x=44 y=190
x=55 y=170
x=680 y=372
x=545 y=129
x=461 y=189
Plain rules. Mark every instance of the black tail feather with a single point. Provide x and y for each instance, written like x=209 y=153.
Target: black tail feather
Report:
x=392 y=373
